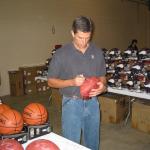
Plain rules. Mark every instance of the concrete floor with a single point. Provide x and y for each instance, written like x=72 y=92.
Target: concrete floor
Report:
x=113 y=136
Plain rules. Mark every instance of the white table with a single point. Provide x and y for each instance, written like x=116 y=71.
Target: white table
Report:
x=61 y=142
x=134 y=94
x=143 y=95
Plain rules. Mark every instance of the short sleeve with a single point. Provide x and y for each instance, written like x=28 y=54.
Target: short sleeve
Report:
x=54 y=68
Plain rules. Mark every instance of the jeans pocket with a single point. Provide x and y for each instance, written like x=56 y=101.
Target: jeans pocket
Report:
x=65 y=101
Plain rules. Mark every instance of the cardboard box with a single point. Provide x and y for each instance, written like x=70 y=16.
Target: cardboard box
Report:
x=30 y=85
x=16 y=83
x=30 y=89
x=32 y=70
x=29 y=80
x=57 y=99
x=28 y=71
x=114 y=108
x=40 y=69
x=141 y=115
x=42 y=86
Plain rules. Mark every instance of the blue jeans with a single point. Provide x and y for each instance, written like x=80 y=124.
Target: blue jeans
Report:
x=77 y=115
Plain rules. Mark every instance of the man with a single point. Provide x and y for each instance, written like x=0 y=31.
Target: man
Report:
x=133 y=45
x=69 y=67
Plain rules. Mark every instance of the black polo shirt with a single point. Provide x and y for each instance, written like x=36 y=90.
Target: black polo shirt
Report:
x=68 y=62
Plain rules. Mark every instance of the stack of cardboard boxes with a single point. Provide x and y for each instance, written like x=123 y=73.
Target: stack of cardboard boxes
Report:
x=23 y=81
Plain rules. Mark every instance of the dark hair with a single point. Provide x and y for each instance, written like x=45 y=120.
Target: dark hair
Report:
x=83 y=24
x=134 y=41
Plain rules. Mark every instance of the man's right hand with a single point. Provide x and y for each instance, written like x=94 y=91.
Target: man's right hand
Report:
x=78 y=80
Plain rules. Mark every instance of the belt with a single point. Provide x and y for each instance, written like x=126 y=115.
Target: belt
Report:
x=77 y=97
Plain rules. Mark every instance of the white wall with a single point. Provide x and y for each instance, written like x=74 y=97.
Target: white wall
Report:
x=26 y=36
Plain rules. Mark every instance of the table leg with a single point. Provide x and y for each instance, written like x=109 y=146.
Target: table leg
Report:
x=131 y=100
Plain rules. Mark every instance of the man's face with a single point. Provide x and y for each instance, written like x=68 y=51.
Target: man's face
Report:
x=81 y=39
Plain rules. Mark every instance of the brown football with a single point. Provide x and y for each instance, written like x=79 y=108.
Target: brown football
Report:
x=89 y=84
x=42 y=144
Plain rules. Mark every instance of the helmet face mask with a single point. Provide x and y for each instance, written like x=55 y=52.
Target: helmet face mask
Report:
x=144 y=54
x=147 y=87
x=111 y=82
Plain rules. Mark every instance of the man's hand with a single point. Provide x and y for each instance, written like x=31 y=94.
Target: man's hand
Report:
x=78 y=80
x=99 y=90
